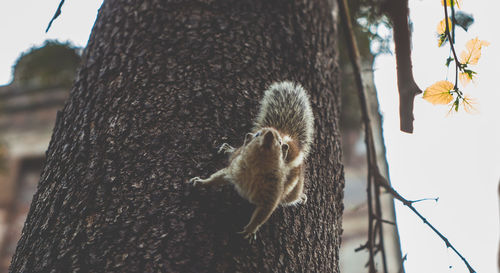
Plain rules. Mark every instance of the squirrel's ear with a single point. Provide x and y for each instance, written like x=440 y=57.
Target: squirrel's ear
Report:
x=268 y=139
x=248 y=137
x=284 y=150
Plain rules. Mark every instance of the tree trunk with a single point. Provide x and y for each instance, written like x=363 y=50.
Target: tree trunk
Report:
x=162 y=84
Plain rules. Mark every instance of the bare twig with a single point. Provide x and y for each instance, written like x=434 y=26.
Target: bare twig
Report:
x=452 y=44
x=381 y=181
x=361 y=247
x=58 y=12
x=403 y=260
x=425 y=199
x=385 y=221
x=378 y=208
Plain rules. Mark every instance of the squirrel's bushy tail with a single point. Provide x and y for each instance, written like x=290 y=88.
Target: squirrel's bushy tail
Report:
x=286 y=108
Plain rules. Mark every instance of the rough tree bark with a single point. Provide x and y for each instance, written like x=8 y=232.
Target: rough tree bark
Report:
x=162 y=84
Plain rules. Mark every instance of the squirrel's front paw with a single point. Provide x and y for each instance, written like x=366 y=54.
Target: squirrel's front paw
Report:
x=225 y=148
x=248 y=235
x=195 y=180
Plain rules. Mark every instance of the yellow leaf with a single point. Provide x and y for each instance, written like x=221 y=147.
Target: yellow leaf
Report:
x=455 y=2
x=439 y=93
x=441 y=40
x=441 y=28
x=465 y=78
x=468 y=104
x=472 y=51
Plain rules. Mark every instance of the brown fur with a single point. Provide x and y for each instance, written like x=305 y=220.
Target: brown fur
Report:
x=295 y=195
x=261 y=175
x=268 y=169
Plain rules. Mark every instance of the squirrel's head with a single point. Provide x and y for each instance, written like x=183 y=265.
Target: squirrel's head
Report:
x=268 y=140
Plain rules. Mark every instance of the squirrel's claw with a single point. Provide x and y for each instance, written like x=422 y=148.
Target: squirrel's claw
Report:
x=194 y=180
x=225 y=148
x=250 y=236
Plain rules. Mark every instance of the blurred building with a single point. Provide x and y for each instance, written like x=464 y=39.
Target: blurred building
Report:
x=28 y=108
x=27 y=117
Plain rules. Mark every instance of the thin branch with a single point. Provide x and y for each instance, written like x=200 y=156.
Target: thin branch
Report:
x=453 y=20
x=385 y=221
x=381 y=181
x=371 y=233
x=452 y=42
x=361 y=247
x=58 y=12
x=425 y=199
x=378 y=208
x=355 y=60
x=403 y=260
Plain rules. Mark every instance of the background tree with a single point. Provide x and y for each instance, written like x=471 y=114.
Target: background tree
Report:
x=163 y=83
x=53 y=64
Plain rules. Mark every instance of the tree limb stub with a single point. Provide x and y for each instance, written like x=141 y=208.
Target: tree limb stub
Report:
x=398 y=13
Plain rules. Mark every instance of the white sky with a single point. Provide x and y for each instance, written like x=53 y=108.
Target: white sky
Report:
x=23 y=24
x=454 y=158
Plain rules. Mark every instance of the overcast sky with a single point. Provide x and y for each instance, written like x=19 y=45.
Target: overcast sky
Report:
x=455 y=158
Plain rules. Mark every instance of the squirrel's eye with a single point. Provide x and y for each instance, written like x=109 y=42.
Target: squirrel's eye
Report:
x=257 y=134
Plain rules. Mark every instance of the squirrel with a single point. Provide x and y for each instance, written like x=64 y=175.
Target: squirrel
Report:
x=268 y=169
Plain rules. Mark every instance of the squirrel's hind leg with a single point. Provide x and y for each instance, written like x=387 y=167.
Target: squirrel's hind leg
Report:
x=266 y=202
x=259 y=217
x=296 y=196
